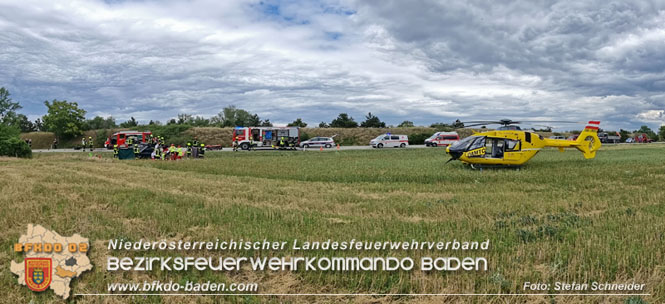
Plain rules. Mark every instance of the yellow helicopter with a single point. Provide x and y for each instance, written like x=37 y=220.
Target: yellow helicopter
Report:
x=510 y=146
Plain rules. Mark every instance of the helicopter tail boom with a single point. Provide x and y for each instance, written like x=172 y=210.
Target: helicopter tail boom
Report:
x=587 y=142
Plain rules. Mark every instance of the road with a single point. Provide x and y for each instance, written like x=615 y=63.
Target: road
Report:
x=227 y=149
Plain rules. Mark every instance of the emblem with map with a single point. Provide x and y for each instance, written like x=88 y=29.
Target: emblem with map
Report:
x=51 y=260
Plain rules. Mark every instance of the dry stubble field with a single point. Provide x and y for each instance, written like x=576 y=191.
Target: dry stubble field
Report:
x=560 y=218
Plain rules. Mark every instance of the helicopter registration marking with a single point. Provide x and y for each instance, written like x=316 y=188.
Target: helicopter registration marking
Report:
x=477 y=152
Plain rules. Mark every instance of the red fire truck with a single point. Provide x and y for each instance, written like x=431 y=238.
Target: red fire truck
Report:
x=642 y=138
x=121 y=137
x=266 y=137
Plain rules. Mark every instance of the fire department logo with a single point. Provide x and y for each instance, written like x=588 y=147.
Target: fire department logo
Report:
x=38 y=273
x=51 y=260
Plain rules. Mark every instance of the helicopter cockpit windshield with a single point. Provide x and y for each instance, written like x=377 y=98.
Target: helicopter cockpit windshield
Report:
x=464 y=144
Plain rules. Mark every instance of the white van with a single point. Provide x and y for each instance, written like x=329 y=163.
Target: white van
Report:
x=442 y=139
x=390 y=140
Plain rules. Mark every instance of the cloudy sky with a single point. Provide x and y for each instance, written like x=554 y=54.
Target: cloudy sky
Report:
x=424 y=61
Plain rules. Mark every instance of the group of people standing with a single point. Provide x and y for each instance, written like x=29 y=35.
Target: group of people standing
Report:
x=161 y=151
x=158 y=149
x=86 y=143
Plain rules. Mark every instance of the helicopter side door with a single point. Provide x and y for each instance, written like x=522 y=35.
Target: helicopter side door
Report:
x=495 y=148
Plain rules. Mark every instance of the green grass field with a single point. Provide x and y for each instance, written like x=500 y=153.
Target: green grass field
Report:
x=559 y=218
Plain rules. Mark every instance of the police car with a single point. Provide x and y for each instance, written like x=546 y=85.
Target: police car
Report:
x=326 y=142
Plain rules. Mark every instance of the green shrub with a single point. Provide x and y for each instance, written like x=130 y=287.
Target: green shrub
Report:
x=173 y=133
x=304 y=136
x=100 y=137
x=16 y=147
x=11 y=143
x=418 y=138
x=347 y=141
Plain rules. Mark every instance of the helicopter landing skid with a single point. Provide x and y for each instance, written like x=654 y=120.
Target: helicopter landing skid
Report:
x=481 y=167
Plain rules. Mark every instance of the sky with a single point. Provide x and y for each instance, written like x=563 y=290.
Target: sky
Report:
x=422 y=61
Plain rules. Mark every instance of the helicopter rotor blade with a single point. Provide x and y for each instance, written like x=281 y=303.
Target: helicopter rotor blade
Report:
x=474 y=125
x=554 y=121
x=507 y=122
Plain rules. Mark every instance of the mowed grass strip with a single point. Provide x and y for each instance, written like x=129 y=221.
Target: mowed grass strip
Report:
x=559 y=218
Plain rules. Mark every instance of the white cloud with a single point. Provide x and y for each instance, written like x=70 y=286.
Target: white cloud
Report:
x=652 y=115
x=402 y=60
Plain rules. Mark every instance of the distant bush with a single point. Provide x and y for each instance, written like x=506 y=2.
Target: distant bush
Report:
x=15 y=147
x=173 y=133
x=304 y=136
x=100 y=137
x=11 y=144
x=347 y=141
x=439 y=126
x=418 y=138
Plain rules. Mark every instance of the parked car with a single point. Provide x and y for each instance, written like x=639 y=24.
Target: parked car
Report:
x=442 y=139
x=390 y=140
x=573 y=137
x=630 y=140
x=326 y=142
x=557 y=137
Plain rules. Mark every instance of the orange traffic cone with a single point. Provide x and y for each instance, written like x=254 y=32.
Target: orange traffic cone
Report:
x=321 y=148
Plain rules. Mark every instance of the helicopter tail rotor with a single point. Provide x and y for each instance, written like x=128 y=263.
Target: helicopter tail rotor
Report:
x=588 y=142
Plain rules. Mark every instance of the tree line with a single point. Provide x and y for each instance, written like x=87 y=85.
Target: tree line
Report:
x=67 y=120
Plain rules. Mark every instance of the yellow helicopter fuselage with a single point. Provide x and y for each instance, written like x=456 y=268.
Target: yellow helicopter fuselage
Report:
x=516 y=147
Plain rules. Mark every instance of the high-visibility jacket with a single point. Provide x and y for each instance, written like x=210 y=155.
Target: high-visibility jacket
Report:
x=179 y=151
x=172 y=149
x=136 y=149
x=115 y=149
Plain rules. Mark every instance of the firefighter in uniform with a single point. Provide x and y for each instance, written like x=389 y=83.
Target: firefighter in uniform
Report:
x=180 y=152
x=235 y=145
x=251 y=143
x=281 y=142
x=172 y=152
x=130 y=141
x=89 y=143
x=136 y=150
x=157 y=152
x=202 y=150
x=115 y=151
x=83 y=144
x=189 y=150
